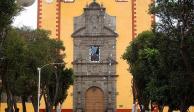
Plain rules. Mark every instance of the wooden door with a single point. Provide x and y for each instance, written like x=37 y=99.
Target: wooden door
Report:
x=94 y=100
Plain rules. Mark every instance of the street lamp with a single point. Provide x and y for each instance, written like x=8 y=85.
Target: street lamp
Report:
x=39 y=74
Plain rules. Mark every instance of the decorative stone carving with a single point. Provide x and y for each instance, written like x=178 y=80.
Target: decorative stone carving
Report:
x=94 y=22
x=94 y=28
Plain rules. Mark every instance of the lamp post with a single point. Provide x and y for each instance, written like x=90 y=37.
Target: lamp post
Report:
x=39 y=76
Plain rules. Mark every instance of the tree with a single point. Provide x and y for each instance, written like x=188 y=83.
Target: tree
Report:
x=36 y=50
x=176 y=23
x=136 y=56
x=8 y=9
x=156 y=65
x=56 y=87
x=25 y=51
x=14 y=49
x=174 y=33
x=55 y=79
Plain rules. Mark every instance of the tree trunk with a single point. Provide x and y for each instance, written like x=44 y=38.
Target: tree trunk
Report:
x=2 y=38
x=185 y=53
x=183 y=109
x=34 y=103
x=50 y=108
x=170 y=109
x=45 y=101
x=9 y=105
x=56 y=89
x=15 y=105
x=133 y=90
x=161 y=108
x=185 y=57
x=48 y=103
x=142 y=109
x=144 y=106
x=51 y=104
x=9 y=101
x=24 y=104
x=140 y=104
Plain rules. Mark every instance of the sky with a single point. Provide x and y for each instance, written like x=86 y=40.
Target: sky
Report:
x=27 y=17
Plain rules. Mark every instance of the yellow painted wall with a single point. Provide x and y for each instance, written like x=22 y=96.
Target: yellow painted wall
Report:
x=70 y=10
x=28 y=106
x=122 y=11
x=143 y=22
x=49 y=17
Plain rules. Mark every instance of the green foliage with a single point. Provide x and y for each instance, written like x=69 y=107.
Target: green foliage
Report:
x=43 y=50
x=176 y=23
x=14 y=49
x=26 y=50
x=156 y=65
x=143 y=57
x=173 y=15
x=8 y=9
x=143 y=41
x=65 y=79
x=163 y=64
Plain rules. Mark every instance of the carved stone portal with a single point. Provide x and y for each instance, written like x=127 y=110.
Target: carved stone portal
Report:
x=94 y=60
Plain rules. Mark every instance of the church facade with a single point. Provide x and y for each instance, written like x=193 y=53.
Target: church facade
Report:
x=94 y=60
x=95 y=34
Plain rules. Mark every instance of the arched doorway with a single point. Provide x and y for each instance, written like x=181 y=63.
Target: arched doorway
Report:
x=94 y=100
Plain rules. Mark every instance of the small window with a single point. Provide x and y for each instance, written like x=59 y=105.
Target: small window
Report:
x=122 y=0
x=94 y=53
x=68 y=1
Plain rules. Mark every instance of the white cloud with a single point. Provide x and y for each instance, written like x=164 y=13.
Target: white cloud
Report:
x=27 y=17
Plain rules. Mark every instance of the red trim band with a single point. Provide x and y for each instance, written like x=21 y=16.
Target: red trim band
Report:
x=133 y=6
x=39 y=14
x=58 y=19
x=153 y=20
